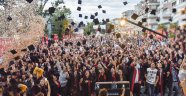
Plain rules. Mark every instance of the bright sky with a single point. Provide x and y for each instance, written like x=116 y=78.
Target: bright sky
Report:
x=114 y=8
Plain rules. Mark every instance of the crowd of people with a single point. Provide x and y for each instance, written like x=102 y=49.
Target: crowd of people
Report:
x=72 y=67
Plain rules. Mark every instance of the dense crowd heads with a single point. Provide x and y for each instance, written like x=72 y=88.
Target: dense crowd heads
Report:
x=72 y=67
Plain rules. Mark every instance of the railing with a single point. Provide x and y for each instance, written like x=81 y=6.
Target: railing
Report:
x=114 y=88
x=166 y=15
x=118 y=82
x=151 y=16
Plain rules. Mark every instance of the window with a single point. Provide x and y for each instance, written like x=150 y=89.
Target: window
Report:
x=153 y=1
x=174 y=4
x=153 y=7
x=1 y=2
x=164 y=10
x=181 y=1
x=165 y=0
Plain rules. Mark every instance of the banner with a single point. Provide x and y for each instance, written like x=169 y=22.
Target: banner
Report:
x=55 y=37
x=43 y=40
x=46 y=40
x=72 y=36
x=5 y=44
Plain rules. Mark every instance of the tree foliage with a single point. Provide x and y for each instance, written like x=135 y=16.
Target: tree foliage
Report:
x=161 y=26
x=89 y=28
x=59 y=26
x=173 y=26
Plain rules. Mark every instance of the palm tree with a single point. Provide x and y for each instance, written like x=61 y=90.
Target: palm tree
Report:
x=172 y=29
x=161 y=27
x=173 y=26
x=59 y=26
x=89 y=28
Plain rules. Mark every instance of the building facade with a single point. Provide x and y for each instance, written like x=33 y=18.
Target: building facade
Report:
x=180 y=16
x=168 y=15
x=127 y=14
x=129 y=29
x=151 y=18
x=164 y=13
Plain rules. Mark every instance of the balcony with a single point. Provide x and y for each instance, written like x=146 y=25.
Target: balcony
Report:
x=145 y=15
x=172 y=0
x=179 y=17
x=153 y=3
x=166 y=15
x=151 y=16
x=182 y=23
x=152 y=22
x=181 y=5
x=160 y=6
x=164 y=21
x=153 y=26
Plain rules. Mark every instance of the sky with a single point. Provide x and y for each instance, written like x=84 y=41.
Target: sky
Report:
x=114 y=8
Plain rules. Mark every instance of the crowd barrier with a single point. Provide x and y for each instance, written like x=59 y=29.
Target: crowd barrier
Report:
x=113 y=88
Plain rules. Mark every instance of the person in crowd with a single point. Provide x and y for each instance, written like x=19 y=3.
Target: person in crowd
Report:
x=103 y=92
x=86 y=84
x=75 y=84
x=182 y=76
x=102 y=76
x=160 y=85
x=174 y=69
x=151 y=79
x=55 y=85
x=63 y=81
x=168 y=77
x=71 y=67
x=135 y=78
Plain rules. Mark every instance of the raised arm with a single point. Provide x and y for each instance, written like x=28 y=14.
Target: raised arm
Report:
x=157 y=78
x=123 y=92
x=49 y=89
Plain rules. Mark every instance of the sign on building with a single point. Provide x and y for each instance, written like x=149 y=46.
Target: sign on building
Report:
x=5 y=43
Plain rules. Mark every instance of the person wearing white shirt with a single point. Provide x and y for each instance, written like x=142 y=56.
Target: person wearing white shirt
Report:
x=63 y=80
x=151 y=79
x=182 y=76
